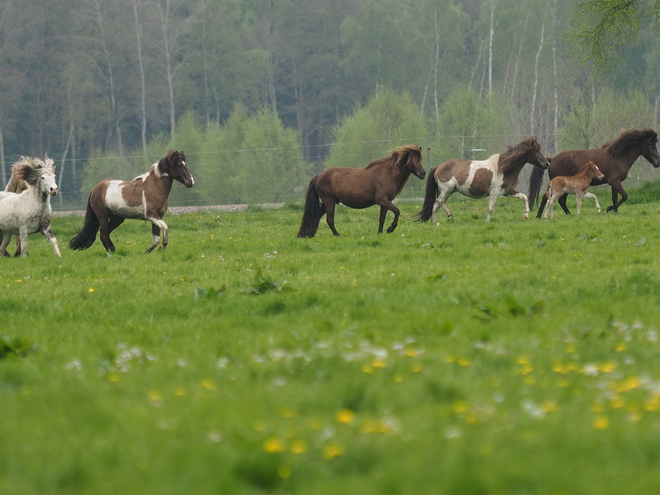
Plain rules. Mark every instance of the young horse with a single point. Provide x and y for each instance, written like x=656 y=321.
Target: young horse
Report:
x=376 y=184
x=576 y=184
x=494 y=177
x=30 y=211
x=143 y=198
x=614 y=160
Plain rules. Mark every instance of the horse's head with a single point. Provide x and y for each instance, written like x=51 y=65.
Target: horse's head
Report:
x=177 y=168
x=534 y=156
x=593 y=170
x=650 y=151
x=39 y=174
x=410 y=158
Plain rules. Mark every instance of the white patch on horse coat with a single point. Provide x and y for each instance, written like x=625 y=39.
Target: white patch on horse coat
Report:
x=491 y=164
x=115 y=202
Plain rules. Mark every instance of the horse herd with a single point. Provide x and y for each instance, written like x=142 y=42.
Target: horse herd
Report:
x=25 y=203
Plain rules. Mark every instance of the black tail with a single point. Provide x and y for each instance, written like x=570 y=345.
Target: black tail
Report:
x=429 y=198
x=87 y=234
x=535 y=180
x=313 y=211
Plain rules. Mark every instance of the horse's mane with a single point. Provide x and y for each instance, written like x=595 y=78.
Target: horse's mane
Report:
x=514 y=153
x=628 y=139
x=398 y=158
x=28 y=170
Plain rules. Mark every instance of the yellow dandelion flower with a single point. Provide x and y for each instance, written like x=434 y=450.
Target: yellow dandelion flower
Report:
x=287 y=412
x=416 y=368
x=332 y=450
x=369 y=426
x=398 y=378
x=549 y=406
x=617 y=402
x=154 y=396
x=570 y=348
x=530 y=380
x=608 y=367
x=345 y=416
x=379 y=363
x=460 y=406
x=463 y=361
x=601 y=422
x=179 y=391
x=651 y=405
x=620 y=347
x=91 y=289
x=367 y=368
x=113 y=377
x=299 y=447
x=450 y=359
x=207 y=384
x=273 y=445
x=634 y=416
x=522 y=360
x=410 y=352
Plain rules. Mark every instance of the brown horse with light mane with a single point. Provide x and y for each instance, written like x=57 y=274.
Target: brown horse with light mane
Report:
x=614 y=160
x=143 y=198
x=576 y=184
x=376 y=184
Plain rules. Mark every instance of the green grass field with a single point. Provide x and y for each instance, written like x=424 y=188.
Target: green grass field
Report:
x=510 y=357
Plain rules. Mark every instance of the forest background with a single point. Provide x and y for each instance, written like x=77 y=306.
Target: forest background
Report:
x=262 y=94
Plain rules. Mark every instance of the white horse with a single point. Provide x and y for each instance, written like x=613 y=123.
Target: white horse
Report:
x=29 y=212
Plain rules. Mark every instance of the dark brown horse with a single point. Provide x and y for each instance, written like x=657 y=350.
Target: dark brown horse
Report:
x=614 y=159
x=491 y=178
x=376 y=184
x=143 y=198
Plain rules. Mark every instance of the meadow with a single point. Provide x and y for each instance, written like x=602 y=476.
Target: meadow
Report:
x=509 y=357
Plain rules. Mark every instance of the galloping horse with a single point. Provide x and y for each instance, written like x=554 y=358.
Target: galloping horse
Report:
x=30 y=211
x=143 y=198
x=614 y=160
x=376 y=184
x=17 y=185
x=576 y=184
x=494 y=177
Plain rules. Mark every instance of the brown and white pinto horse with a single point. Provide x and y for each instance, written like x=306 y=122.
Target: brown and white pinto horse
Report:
x=494 y=177
x=376 y=184
x=576 y=184
x=143 y=198
x=614 y=159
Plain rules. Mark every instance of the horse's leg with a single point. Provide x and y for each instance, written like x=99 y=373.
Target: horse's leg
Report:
x=544 y=200
x=593 y=196
x=330 y=215
x=386 y=205
x=617 y=189
x=441 y=201
x=48 y=234
x=491 y=203
x=18 y=246
x=562 y=203
x=105 y=219
x=4 y=242
x=549 y=207
x=522 y=197
x=158 y=231
x=578 y=202
x=23 y=234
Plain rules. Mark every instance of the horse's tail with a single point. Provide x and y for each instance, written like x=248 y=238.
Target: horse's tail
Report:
x=429 y=198
x=87 y=234
x=535 y=180
x=313 y=211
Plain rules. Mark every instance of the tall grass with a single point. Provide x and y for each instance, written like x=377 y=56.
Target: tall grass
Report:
x=470 y=357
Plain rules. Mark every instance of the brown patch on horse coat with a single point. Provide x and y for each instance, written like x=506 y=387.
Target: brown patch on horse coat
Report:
x=131 y=192
x=455 y=168
x=480 y=185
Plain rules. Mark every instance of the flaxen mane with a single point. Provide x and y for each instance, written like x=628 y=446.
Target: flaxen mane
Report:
x=514 y=153
x=629 y=139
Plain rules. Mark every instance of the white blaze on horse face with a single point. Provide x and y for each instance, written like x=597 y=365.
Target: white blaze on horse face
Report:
x=115 y=202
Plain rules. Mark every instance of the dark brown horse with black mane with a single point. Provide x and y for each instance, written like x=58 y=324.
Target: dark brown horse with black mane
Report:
x=143 y=198
x=614 y=159
x=491 y=178
x=376 y=184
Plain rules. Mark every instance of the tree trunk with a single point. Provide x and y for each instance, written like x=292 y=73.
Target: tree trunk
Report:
x=532 y=113
x=137 y=4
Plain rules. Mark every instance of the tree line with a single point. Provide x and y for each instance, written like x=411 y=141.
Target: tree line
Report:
x=261 y=94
